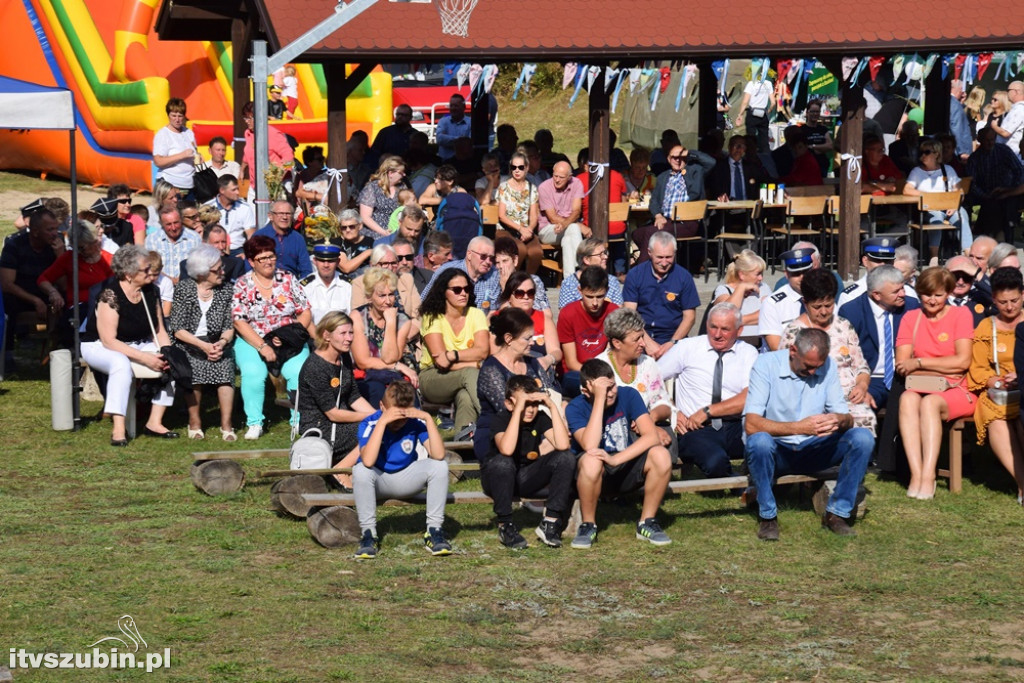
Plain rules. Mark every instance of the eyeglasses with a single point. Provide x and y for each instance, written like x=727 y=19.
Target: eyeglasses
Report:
x=217 y=270
x=518 y=167
x=524 y=293
x=406 y=257
x=482 y=257
x=387 y=264
x=599 y=254
x=280 y=213
x=458 y=290
x=190 y=216
x=266 y=259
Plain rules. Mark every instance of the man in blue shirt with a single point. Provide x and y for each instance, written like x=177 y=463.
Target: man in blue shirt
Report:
x=292 y=254
x=797 y=422
x=610 y=458
x=664 y=294
x=452 y=127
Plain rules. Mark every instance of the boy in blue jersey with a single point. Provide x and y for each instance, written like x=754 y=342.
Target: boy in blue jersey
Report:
x=388 y=467
x=609 y=457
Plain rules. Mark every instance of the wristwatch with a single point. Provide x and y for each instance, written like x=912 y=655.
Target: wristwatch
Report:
x=707 y=411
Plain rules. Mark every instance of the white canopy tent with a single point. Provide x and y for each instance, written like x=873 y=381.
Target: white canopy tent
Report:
x=25 y=105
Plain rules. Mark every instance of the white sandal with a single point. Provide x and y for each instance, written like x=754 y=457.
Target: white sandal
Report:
x=196 y=434
x=228 y=435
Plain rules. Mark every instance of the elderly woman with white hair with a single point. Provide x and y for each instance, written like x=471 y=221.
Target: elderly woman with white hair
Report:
x=201 y=324
x=127 y=326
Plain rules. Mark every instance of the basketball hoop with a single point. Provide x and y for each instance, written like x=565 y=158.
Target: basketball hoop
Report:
x=455 y=16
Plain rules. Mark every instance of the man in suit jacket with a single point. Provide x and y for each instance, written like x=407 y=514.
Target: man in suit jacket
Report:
x=723 y=183
x=884 y=303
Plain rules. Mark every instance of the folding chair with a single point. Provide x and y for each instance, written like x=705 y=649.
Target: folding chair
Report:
x=618 y=212
x=809 y=208
x=693 y=211
x=724 y=237
x=832 y=229
x=489 y=215
x=936 y=201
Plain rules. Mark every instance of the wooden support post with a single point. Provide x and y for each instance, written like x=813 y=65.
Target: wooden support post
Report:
x=850 y=142
x=242 y=32
x=600 y=153
x=707 y=97
x=339 y=87
x=936 y=96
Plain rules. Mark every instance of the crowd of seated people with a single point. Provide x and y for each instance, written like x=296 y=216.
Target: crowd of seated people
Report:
x=576 y=399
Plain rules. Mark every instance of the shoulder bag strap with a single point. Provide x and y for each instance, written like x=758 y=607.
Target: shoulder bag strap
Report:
x=149 y=316
x=995 y=354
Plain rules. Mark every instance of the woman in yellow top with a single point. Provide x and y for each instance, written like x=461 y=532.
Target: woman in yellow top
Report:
x=456 y=341
x=992 y=367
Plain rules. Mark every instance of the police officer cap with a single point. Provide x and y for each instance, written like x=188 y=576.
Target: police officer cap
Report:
x=326 y=252
x=879 y=248
x=797 y=260
x=105 y=208
x=29 y=209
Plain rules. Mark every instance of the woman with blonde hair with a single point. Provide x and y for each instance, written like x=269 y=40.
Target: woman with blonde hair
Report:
x=385 y=336
x=744 y=288
x=328 y=398
x=379 y=197
x=999 y=105
x=164 y=195
x=974 y=104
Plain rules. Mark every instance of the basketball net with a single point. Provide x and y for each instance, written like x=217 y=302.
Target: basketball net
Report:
x=455 y=16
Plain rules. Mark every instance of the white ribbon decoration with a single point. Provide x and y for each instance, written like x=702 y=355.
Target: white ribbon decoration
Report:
x=594 y=167
x=853 y=169
x=334 y=177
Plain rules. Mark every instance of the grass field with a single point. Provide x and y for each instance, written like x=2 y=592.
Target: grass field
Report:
x=927 y=592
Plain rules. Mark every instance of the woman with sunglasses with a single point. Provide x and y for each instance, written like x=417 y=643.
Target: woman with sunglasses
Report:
x=514 y=333
x=385 y=343
x=355 y=246
x=456 y=341
x=189 y=211
x=519 y=212
x=123 y=194
x=520 y=292
x=931 y=175
x=200 y=323
x=506 y=263
x=266 y=301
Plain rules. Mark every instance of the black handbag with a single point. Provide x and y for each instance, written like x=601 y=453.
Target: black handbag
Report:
x=204 y=183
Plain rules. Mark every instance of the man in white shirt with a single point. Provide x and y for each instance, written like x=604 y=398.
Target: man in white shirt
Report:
x=875 y=251
x=785 y=305
x=218 y=159
x=711 y=372
x=236 y=216
x=174 y=149
x=325 y=289
x=1012 y=126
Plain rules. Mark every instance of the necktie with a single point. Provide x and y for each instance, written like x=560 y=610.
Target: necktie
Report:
x=737 y=181
x=890 y=366
x=716 y=389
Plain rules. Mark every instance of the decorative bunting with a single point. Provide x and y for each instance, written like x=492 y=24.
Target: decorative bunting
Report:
x=569 y=74
x=849 y=64
x=611 y=77
x=475 y=71
x=634 y=80
x=623 y=74
x=984 y=59
x=875 y=65
x=462 y=75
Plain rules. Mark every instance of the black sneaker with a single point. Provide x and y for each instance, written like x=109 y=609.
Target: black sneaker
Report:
x=549 y=532
x=650 y=530
x=510 y=537
x=436 y=543
x=367 y=546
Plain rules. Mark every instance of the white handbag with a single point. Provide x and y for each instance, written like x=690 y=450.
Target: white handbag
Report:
x=313 y=452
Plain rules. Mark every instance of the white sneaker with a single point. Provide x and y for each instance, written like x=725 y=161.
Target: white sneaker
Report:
x=253 y=432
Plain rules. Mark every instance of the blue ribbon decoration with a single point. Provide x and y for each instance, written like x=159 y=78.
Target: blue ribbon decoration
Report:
x=581 y=78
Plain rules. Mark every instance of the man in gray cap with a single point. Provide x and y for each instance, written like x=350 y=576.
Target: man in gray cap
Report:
x=875 y=251
x=785 y=305
x=325 y=289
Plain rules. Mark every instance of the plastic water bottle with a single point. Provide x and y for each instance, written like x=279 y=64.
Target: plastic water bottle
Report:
x=764 y=193
x=780 y=197
x=770 y=196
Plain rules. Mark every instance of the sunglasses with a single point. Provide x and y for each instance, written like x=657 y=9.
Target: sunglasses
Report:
x=518 y=167
x=190 y=216
x=124 y=201
x=524 y=293
x=458 y=290
x=406 y=257
x=483 y=257
x=928 y=152
x=354 y=226
x=962 y=276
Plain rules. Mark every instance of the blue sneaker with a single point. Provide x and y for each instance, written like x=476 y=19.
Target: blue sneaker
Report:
x=436 y=543
x=650 y=530
x=586 y=535
x=367 y=546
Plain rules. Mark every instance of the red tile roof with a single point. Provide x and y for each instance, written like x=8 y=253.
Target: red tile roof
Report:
x=515 y=30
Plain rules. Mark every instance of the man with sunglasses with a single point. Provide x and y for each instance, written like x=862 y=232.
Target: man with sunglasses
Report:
x=682 y=182
x=384 y=256
x=325 y=289
x=479 y=265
